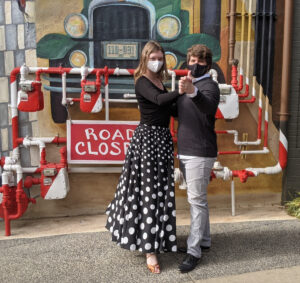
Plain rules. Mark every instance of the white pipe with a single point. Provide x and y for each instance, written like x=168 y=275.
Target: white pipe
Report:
x=17 y=168
x=123 y=72
x=64 y=89
x=249 y=42
x=24 y=70
x=43 y=139
x=27 y=142
x=267 y=170
x=30 y=170
x=232 y=198
x=11 y=160
x=265 y=150
x=4 y=178
x=237 y=142
x=106 y=103
x=214 y=74
x=84 y=71
x=173 y=76
x=224 y=174
x=14 y=110
x=123 y=101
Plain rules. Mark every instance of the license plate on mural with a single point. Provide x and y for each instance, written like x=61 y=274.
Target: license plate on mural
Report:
x=120 y=50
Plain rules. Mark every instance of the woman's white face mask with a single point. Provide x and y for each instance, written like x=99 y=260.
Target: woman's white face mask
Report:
x=154 y=66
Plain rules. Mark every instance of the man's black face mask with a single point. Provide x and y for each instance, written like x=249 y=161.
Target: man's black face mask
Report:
x=197 y=70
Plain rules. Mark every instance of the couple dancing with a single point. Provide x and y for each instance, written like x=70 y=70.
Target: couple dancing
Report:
x=142 y=215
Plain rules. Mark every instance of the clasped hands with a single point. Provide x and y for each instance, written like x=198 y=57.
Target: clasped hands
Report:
x=185 y=84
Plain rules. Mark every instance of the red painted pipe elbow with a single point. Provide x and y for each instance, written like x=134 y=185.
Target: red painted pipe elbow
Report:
x=242 y=174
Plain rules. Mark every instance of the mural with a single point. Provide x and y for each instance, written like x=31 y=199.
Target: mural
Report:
x=113 y=33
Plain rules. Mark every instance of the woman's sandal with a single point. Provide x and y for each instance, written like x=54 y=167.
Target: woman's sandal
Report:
x=154 y=268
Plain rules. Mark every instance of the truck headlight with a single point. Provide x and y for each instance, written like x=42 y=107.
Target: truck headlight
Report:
x=171 y=60
x=77 y=59
x=168 y=26
x=76 y=25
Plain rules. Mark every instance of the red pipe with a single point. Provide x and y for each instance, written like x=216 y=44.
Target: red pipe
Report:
x=76 y=99
x=2 y=161
x=15 y=124
x=5 y=209
x=63 y=156
x=181 y=72
x=15 y=130
x=52 y=70
x=241 y=83
x=22 y=203
x=30 y=181
x=106 y=73
x=43 y=157
x=234 y=76
x=246 y=92
x=229 y=152
x=14 y=73
x=259 y=122
x=248 y=100
x=242 y=174
x=221 y=132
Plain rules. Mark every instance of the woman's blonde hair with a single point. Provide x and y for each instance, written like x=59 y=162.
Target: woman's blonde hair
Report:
x=150 y=47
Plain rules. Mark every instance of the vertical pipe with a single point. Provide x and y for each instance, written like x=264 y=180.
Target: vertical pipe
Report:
x=14 y=110
x=257 y=43
x=106 y=94
x=4 y=202
x=260 y=105
x=287 y=43
x=249 y=39
x=266 y=122
x=64 y=88
x=232 y=198
x=270 y=51
x=248 y=51
x=286 y=63
x=262 y=68
x=232 y=18
x=241 y=80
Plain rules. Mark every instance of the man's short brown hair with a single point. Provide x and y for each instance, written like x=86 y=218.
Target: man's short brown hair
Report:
x=201 y=52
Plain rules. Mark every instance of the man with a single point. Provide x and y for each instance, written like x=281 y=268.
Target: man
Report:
x=197 y=146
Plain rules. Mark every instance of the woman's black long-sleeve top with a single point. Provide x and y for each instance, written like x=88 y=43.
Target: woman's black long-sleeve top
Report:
x=154 y=103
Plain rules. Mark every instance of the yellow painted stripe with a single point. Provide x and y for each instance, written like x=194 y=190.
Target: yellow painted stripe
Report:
x=197 y=9
x=188 y=5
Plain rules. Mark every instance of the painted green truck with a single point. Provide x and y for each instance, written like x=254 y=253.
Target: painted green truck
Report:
x=112 y=33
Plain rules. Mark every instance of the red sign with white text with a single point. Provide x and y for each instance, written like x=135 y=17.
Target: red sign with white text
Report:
x=100 y=142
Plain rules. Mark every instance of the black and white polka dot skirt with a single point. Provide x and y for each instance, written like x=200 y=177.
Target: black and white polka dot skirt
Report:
x=142 y=215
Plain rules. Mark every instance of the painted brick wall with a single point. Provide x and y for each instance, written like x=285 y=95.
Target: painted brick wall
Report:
x=291 y=180
x=17 y=46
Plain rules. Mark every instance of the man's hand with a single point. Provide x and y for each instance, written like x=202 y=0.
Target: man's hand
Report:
x=185 y=84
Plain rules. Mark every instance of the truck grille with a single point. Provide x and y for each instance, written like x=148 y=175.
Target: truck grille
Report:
x=120 y=22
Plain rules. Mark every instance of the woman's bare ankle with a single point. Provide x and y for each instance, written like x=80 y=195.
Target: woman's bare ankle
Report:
x=151 y=258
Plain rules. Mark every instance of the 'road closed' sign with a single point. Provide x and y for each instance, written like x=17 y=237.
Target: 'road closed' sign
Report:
x=98 y=142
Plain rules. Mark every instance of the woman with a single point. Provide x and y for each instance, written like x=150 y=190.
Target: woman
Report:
x=142 y=215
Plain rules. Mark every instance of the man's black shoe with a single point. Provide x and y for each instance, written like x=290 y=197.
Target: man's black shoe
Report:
x=183 y=250
x=188 y=264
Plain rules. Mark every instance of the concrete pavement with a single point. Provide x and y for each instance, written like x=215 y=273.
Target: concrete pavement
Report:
x=259 y=244
x=280 y=275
